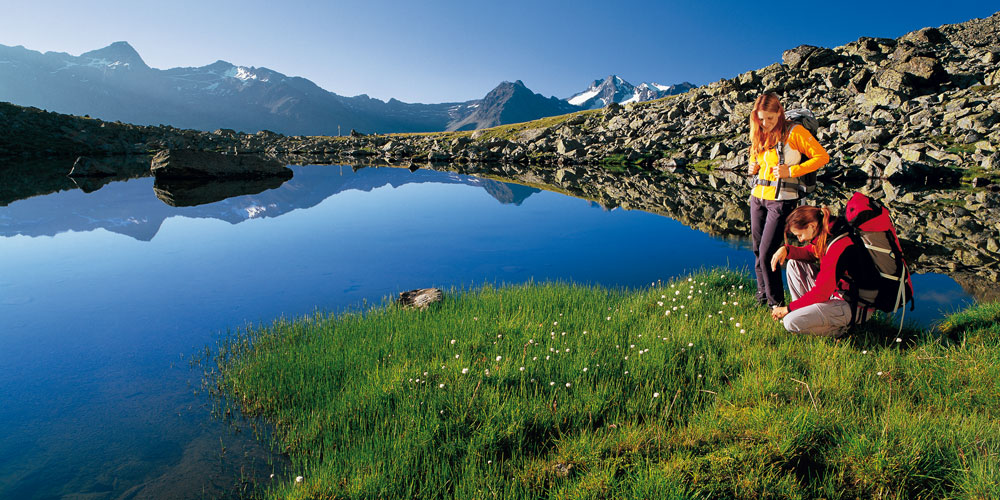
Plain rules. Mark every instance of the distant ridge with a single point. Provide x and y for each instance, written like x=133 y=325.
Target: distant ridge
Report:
x=115 y=84
x=511 y=103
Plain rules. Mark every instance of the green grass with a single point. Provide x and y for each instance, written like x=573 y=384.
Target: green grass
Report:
x=679 y=390
x=705 y=166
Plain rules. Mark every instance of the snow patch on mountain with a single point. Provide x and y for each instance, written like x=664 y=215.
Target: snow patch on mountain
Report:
x=583 y=97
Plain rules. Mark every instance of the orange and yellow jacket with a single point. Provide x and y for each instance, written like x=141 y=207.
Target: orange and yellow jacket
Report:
x=799 y=143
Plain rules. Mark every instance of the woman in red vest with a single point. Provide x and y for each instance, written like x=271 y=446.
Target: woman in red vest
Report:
x=818 y=273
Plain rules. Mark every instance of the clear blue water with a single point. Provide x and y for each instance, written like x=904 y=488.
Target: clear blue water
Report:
x=104 y=297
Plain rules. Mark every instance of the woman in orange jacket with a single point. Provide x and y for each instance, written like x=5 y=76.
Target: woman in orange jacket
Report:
x=781 y=153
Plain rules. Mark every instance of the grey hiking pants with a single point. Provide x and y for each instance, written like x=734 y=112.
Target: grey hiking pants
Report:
x=767 y=232
x=829 y=319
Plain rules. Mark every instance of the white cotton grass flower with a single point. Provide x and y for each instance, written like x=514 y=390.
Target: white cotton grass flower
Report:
x=452 y=341
x=898 y=340
x=522 y=368
x=690 y=344
x=552 y=383
x=440 y=386
x=499 y=358
x=299 y=479
x=457 y=355
x=584 y=368
x=465 y=370
x=568 y=385
x=879 y=374
x=656 y=394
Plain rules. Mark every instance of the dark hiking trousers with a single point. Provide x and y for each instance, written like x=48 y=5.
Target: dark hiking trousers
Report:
x=767 y=228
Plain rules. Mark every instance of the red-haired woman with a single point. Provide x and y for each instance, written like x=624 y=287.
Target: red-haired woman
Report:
x=819 y=305
x=777 y=151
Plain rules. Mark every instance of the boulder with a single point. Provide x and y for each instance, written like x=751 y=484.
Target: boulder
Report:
x=420 y=298
x=808 y=57
x=929 y=36
x=992 y=78
x=566 y=146
x=189 y=164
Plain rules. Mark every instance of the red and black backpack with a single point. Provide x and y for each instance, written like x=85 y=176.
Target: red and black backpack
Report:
x=883 y=281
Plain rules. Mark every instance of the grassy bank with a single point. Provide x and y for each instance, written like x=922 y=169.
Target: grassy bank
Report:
x=680 y=390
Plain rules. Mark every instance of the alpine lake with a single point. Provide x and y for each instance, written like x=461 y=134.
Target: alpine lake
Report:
x=112 y=291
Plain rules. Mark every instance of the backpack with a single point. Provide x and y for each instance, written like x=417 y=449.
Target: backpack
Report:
x=883 y=281
x=794 y=188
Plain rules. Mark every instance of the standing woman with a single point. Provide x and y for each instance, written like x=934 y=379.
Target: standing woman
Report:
x=777 y=151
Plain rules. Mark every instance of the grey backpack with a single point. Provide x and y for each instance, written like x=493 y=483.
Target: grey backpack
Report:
x=794 y=188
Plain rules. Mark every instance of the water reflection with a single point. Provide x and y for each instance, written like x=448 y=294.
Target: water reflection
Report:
x=104 y=295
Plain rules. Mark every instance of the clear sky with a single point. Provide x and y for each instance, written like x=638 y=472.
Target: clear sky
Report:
x=436 y=51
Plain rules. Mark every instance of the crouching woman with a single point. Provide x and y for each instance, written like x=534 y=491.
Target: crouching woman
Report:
x=818 y=273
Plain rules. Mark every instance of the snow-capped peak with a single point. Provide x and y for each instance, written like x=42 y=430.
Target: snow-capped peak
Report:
x=615 y=89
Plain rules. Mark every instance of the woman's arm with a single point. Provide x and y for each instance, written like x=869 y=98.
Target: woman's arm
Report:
x=802 y=141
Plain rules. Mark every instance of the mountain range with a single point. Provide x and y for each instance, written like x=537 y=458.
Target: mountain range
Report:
x=114 y=83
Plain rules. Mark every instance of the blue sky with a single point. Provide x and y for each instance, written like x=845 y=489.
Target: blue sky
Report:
x=437 y=51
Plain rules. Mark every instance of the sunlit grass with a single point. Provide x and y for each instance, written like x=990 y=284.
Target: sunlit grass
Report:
x=684 y=389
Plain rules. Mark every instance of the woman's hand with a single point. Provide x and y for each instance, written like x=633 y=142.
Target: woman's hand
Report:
x=779 y=312
x=753 y=168
x=779 y=258
x=781 y=171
